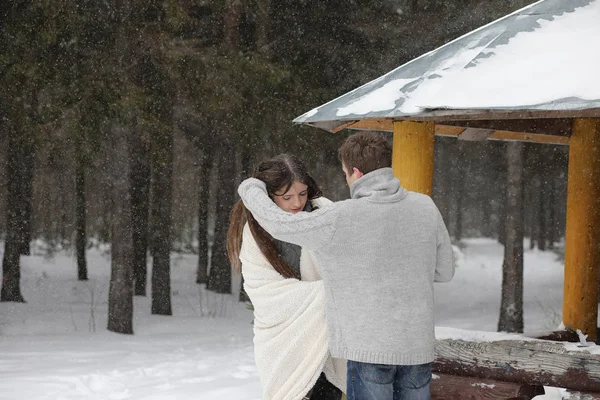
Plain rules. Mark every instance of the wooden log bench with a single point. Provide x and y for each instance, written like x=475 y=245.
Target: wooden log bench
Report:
x=487 y=365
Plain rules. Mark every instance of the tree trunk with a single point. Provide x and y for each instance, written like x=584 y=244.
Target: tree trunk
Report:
x=501 y=180
x=534 y=203
x=80 y=218
x=27 y=170
x=106 y=218
x=552 y=223
x=19 y=144
x=203 y=206
x=487 y=193
x=11 y=272
x=441 y=179
x=64 y=207
x=544 y=193
x=459 y=172
x=162 y=196
x=486 y=229
x=542 y=226
x=246 y=172
x=231 y=22
x=219 y=279
x=263 y=23
x=140 y=187
x=511 y=307
x=120 y=297
x=502 y=221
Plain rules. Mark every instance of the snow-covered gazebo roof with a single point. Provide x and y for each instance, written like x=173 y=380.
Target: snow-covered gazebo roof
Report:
x=542 y=61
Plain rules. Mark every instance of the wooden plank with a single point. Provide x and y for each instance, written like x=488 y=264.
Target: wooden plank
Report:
x=386 y=125
x=377 y=124
x=475 y=135
x=534 y=362
x=582 y=253
x=412 y=158
x=529 y=137
x=452 y=387
x=343 y=126
x=330 y=126
x=550 y=126
x=448 y=130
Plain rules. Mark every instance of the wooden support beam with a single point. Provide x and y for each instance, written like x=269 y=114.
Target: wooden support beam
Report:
x=533 y=362
x=387 y=125
x=412 y=158
x=448 y=130
x=552 y=126
x=452 y=387
x=582 y=253
x=343 y=126
x=476 y=135
x=529 y=137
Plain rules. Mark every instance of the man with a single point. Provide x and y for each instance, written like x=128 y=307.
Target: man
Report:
x=380 y=253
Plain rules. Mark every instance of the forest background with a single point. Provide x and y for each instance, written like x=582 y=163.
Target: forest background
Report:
x=131 y=122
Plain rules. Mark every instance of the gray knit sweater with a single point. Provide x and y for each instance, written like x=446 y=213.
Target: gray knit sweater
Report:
x=380 y=253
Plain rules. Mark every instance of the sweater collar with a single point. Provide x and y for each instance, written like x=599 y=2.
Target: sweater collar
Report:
x=380 y=186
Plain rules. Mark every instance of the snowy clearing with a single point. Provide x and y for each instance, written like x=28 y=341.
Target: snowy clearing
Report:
x=56 y=345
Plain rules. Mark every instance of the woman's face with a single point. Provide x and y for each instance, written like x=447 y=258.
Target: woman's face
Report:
x=294 y=199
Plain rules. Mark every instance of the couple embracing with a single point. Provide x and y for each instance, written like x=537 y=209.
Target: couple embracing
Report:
x=342 y=292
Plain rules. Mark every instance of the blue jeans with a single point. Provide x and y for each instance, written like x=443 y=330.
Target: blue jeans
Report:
x=388 y=382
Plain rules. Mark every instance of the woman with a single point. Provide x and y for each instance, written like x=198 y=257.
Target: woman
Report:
x=284 y=284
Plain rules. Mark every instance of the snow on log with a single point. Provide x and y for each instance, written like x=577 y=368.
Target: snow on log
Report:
x=581 y=396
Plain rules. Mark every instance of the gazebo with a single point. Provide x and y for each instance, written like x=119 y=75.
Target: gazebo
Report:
x=533 y=76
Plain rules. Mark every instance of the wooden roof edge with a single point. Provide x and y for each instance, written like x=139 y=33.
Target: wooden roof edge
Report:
x=448 y=116
x=498 y=114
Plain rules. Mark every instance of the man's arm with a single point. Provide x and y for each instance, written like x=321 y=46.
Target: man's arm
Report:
x=312 y=230
x=444 y=269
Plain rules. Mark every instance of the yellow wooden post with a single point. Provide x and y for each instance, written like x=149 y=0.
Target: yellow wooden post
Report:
x=412 y=158
x=582 y=247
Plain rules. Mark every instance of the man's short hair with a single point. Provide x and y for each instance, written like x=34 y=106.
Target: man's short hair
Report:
x=366 y=151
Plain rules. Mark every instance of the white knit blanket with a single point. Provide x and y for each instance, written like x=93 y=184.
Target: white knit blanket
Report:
x=290 y=332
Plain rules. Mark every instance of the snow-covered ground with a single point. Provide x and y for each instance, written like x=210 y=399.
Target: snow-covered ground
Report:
x=56 y=345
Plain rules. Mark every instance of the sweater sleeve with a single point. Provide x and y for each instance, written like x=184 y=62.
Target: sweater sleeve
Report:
x=444 y=268
x=312 y=230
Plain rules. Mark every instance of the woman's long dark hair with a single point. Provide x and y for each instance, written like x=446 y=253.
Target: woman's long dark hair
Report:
x=278 y=173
